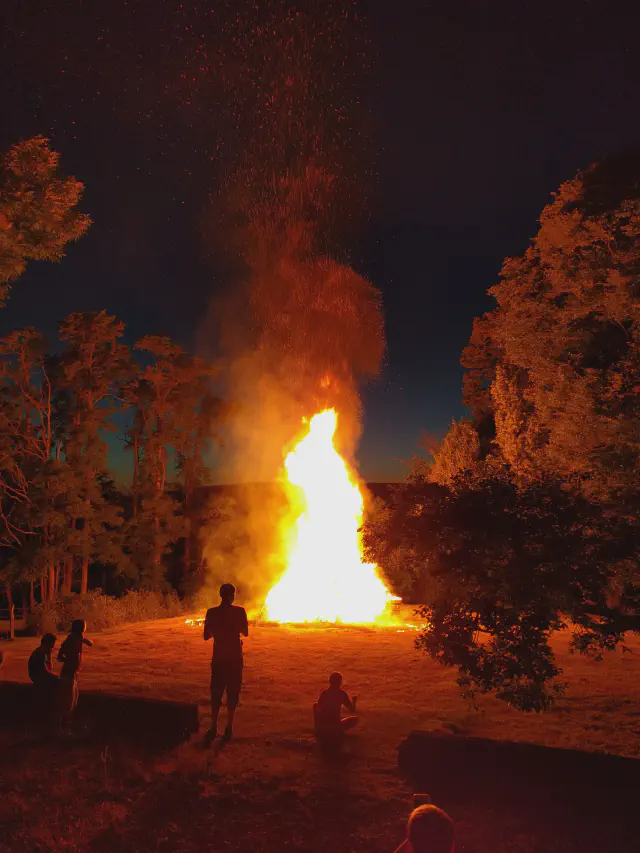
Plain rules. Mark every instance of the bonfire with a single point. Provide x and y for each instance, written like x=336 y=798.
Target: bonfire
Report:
x=326 y=578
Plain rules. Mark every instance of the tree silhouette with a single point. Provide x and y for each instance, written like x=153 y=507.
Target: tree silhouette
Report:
x=93 y=369
x=38 y=214
x=536 y=523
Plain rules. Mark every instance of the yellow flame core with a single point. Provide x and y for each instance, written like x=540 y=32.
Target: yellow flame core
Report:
x=326 y=579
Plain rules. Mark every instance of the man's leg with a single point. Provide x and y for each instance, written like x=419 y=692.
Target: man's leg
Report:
x=217 y=689
x=234 y=685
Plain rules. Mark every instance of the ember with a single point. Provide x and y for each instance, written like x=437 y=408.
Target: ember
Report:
x=326 y=579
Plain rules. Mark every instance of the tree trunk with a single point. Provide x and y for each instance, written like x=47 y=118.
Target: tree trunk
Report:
x=136 y=474
x=156 y=554
x=32 y=597
x=187 y=552
x=68 y=576
x=52 y=584
x=43 y=589
x=12 y=611
x=84 y=574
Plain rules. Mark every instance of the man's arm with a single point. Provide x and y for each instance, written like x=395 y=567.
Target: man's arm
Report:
x=208 y=633
x=244 y=628
x=349 y=704
x=87 y=642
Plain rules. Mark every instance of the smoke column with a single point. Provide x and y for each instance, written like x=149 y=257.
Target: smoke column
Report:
x=299 y=327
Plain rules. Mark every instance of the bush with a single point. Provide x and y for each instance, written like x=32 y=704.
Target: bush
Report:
x=102 y=611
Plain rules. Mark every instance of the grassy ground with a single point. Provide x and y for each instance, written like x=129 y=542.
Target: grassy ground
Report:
x=270 y=789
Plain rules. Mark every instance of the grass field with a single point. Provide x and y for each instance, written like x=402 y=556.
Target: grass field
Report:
x=270 y=790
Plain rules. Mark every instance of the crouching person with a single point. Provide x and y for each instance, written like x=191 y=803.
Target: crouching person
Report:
x=40 y=669
x=329 y=723
x=44 y=680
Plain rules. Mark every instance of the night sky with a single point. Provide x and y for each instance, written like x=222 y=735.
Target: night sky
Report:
x=479 y=111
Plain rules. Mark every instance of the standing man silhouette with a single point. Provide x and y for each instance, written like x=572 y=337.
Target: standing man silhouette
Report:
x=225 y=623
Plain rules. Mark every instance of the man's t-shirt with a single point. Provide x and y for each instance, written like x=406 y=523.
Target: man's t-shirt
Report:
x=225 y=623
x=330 y=703
x=72 y=651
x=39 y=665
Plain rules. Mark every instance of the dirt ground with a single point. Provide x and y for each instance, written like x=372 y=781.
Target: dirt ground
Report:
x=270 y=789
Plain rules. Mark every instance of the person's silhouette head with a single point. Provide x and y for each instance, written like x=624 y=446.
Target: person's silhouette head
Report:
x=48 y=641
x=430 y=830
x=78 y=626
x=227 y=593
x=335 y=680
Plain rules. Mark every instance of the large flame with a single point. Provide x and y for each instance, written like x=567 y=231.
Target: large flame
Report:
x=326 y=579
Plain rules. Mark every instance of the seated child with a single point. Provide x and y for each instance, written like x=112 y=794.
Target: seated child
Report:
x=430 y=830
x=327 y=711
x=39 y=666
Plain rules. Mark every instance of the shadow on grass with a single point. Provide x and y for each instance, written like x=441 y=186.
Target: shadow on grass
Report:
x=570 y=799
x=152 y=723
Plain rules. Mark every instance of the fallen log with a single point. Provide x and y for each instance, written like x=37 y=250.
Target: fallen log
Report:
x=151 y=722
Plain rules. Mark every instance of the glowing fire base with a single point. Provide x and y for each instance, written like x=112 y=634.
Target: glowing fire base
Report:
x=326 y=579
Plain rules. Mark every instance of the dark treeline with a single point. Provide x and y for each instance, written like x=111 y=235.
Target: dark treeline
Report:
x=61 y=510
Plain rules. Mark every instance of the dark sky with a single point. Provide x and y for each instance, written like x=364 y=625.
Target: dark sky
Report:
x=480 y=111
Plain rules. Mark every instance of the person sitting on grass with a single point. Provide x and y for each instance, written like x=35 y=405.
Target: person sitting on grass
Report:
x=430 y=830
x=39 y=666
x=225 y=623
x=327 y=711
x=70 y=655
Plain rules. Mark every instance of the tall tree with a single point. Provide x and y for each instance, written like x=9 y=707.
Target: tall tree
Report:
x=38 y=209
x=557 y=363
x=32 y=475
x=538 y=524
x=93 y=369
x=167 y=397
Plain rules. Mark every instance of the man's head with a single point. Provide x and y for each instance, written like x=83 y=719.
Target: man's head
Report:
x=430 y=830
x=48 y=641
x=78 y=626
x=335 y=679
x=227 y=593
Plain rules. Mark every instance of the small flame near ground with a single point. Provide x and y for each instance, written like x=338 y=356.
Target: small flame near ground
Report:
x=326 y=578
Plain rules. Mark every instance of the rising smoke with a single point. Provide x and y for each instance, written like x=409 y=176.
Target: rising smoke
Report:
x=300 y=328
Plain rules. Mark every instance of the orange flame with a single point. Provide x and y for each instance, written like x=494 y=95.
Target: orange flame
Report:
x=326 y=579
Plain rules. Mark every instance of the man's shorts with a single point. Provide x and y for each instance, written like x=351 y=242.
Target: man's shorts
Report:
x=226 y=675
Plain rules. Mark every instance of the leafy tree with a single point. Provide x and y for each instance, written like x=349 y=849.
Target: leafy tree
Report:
x=536 y=526
x=557 y=363
x=457 y=454
x=170 y=411
x=502 y=568
x=93 y=369
x=199 y=416
x=38 y=214
x=32 y=475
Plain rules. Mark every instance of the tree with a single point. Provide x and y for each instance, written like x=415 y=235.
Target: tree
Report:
x=199 y=416
x=536 y=526
x=562 y=346
x=457 y=454
x=93 y=369
x=33 y=478
x=167 y=397
x=38 y=214
x=501 y=568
